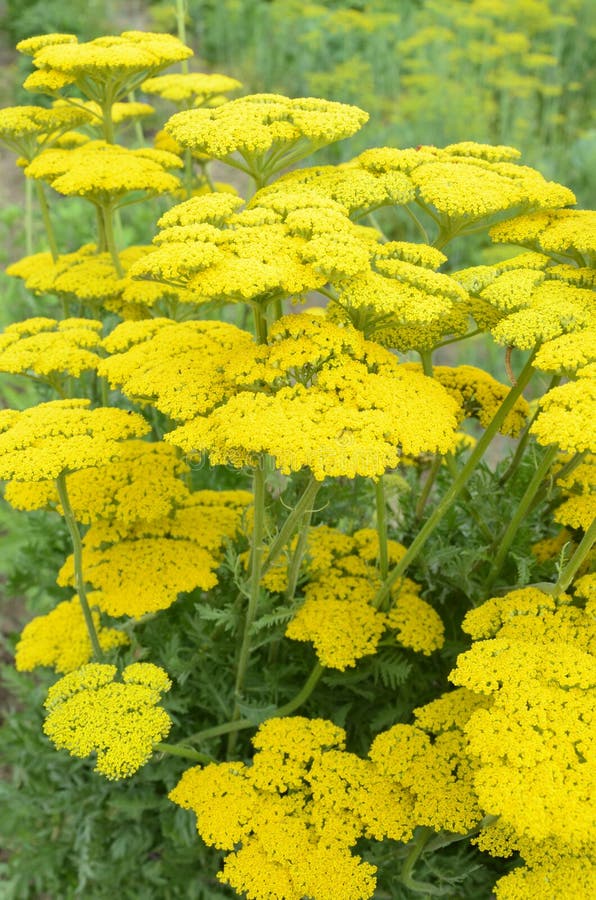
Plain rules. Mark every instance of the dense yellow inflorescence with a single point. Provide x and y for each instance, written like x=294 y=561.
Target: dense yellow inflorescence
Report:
x=524 y=302
x=319 y=396
x=108 y=66
x=105 y=172
x=143 y=483
x=532 y=747
x=62 y=436
x=60 y=639
x=191 y=89
x=465 y=184
x=120 y=721
x=338 y=614
x=140 y=567
x=44 y=347
x=266 y=126
x=29 y=129
x=480 y=396
x=567 y=416
x=559 y=232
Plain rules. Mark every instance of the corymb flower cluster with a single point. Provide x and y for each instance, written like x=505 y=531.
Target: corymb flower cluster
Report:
x=385 y=533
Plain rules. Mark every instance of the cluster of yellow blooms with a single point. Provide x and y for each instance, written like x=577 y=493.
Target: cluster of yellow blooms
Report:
x=89 y=711
x=338 y=614
x=508 y=753
x=141 y=567
x=532 y=748
x=317 y=395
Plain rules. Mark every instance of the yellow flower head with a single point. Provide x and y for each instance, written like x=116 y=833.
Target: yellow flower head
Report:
x=193 y=89
x=469 y=182
x=480 y=395
x=275 y=130
x=531 y=302
x=142 y=484
x=27 y=129
x=531 y=748
x=106 y=172
x=120 y=721
x=578 y=510
x=290 y=819
x=567 y=416
x=400 y=293
x=182 y=368
x=107 y=66
x=337 y=614
x=331 y=401
x=435 y=774
x=142 y=566
x=284 y=244
x=354 y=188
x=62 y=436
x=569 y=353
x=45 y=346
x=60 y=639
x=560 y=232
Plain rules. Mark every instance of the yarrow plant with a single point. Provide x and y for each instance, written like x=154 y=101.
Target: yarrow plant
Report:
x=289 y=545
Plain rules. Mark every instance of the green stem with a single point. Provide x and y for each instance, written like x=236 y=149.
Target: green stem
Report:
x=184 y=752
x=427 y=362
x=181 y=29
x=420 y=841
x=382 y=528
x=567 y=574
x=47 y=222
x=428 y=485
x=188 y=174
x=256 y=562
x=298 y=555
x=291 y=523
x=108 y=228
x=106 y=116
x=519 y=515
x=458 y=484
x=260 y=323
x=138 y=126
x=523 y=441
x=285 y=710
x=75 y=536
x=29 y=215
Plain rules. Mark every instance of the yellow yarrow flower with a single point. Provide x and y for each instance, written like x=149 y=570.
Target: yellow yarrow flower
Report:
x=120 y=721
x=104 y=172
x=290 y=819
x=480 y=396
x=140 y=567
x=268 y=131
x=527 y=768
x=29 y=129
x=559 y=232
x=192 y=89
x=467 y=183
x=337 y=614
x=347 y=413
x=354 y=188
x=62 y=436
x=109 y=66
x=45 y=346
x=60 y=639
x=181 y=368
x=568 y=353
x=567 y=416
x=142 y=484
